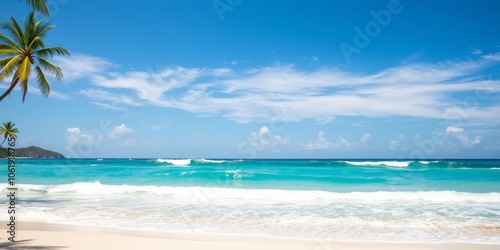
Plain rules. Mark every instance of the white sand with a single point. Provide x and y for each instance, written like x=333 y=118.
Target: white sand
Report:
x=44 y=236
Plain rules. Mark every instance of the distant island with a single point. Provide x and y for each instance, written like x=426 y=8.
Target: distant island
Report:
x=32 y=152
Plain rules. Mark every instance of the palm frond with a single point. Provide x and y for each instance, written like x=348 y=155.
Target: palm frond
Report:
x=4 y=40
x=9 y=65
x=35 y=42
x=24 y=87
x=51 y=51
x=24 y=70
x=52 y=68
x=8 y=52
x=16 y=30
x=43 y=84
x=40 y=31
x=39 y=5
x=11 y=87
x=29 y=28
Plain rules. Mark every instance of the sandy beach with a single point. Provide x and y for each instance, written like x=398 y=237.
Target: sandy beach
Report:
x=32 y=235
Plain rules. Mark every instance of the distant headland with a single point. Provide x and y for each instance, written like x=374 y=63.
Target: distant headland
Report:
x=32 y=152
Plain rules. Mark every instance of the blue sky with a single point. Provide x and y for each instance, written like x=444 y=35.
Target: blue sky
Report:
x=267 y=79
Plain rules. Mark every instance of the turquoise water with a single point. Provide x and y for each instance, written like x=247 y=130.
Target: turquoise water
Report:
x=367 y=200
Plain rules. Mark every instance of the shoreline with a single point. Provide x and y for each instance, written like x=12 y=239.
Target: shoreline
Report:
x=41 y=235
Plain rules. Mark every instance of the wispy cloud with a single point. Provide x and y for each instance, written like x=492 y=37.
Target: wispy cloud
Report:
x=413 y=90
x=476 y=51
x=80 y=65
x=108 y=99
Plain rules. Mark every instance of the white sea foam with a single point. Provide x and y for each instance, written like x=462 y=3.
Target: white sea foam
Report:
x=237 y=174
x=210 y=161
x=427 y=162
x=425 y=216
x=202 y=160
x=398 y=164
x=187 y=173
x=222 y=194
x=176 y=162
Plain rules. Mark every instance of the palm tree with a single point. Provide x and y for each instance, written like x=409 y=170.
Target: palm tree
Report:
x=25 y=50
x=39 y=5
x=8 y=130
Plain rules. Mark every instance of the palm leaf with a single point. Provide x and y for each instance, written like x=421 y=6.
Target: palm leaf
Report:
x=8 y=52
x=16 y=30
x=39 y=5
x=29 y=29
x=40 y=31
x=43 y=84
x=11 y=87
x=24 y=70
x=51 y=51
x=24 y=88
x=33 y=42
x=9 y=65
x=50 y=67
x=4 y=40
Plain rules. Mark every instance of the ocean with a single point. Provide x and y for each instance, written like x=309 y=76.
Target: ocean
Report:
x=359 y=200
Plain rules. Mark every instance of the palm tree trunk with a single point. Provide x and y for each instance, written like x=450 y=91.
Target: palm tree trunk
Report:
x=12 y=86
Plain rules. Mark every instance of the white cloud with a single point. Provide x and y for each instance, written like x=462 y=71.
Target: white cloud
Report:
x=420 y=90
x=458 y=133
x=75 y=137
x=495 y=57
x=120 y=131
x=366 y=137
x=53 y=94
x=359 y=124
x=322 y=143
x=476 y=51
x=324 y=119
x=393 y=144
x=265 y=137
x=319 y=144
x=80 y=65
x=59 y=95
x=109 y=100
x=344 y=143
x=151 y=86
